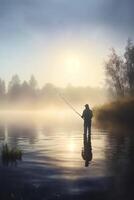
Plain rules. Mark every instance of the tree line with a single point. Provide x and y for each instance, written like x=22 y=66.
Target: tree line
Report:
x=27 y=94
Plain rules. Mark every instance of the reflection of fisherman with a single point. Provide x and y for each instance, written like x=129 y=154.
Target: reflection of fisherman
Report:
x=87 y=150
x=87 y=116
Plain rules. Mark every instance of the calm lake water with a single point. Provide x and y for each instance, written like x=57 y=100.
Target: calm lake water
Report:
x=52 y=165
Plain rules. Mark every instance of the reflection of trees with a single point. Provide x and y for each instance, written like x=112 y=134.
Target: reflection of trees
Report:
x=24 y=132
x=120 y=163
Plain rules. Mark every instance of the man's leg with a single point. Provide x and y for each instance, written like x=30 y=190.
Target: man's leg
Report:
x=89 y=127
x=89 y=131
x=85 y=129
x=85 y=134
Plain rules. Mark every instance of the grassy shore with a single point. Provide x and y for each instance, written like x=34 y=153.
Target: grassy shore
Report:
x=116 y=112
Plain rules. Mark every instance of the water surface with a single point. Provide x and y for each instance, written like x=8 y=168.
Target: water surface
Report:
x=52 y=163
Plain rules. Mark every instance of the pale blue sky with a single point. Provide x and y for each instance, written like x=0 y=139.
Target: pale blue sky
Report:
x=39 y=36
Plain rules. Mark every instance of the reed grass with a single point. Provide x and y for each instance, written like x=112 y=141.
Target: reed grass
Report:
x=10 y=154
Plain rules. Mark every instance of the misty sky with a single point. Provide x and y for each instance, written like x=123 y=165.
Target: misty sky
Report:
x=62 y=41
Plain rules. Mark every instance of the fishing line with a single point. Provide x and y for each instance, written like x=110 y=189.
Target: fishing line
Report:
x=68 y=103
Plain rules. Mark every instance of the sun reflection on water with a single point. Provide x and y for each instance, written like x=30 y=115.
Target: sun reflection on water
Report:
x=72 y=145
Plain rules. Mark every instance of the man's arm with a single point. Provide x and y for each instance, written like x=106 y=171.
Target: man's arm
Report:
x=82 y=116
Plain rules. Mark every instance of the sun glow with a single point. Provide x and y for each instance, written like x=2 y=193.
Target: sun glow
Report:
x=72 y=64
x=75 y=63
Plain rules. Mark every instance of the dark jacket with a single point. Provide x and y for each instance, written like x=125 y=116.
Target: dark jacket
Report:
x=87 y=115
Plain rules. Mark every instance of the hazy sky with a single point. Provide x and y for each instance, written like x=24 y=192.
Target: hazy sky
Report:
x=62 y=41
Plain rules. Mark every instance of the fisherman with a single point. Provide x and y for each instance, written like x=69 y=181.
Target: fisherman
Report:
x=87 y=116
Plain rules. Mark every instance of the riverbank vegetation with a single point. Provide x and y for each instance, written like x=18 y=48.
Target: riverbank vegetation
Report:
x=10 y=154
x=120 y=81
x=117 y=112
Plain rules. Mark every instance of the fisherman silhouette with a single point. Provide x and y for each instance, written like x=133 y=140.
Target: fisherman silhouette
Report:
x=87 y=150
x=87 y=116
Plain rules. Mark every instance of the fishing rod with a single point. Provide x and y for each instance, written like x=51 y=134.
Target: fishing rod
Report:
x=69 y=104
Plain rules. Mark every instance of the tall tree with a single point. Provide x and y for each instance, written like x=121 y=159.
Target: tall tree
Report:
x=25 y=89
x=129 y=65
x=2 y=89
x=14 y=87
x=33 y=83
x=115 y=73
